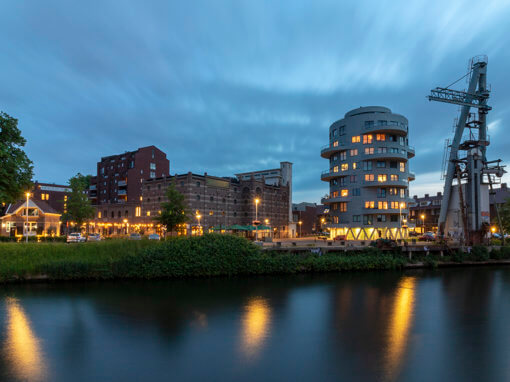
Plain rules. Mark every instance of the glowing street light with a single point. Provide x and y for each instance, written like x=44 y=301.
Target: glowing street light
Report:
x=26 y=228
x=257 y=201
x=300 y=223
x=198 y=218
x=423 y=223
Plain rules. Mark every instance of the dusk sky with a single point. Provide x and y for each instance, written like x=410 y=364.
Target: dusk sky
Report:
x=234 y=86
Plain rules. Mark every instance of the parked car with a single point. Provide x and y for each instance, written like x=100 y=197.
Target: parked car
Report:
x=428 y=236
x=76 y=237
x=94 y=237
x=135 y=236
x=413 y=233
x=154 y=236
x=323 y=236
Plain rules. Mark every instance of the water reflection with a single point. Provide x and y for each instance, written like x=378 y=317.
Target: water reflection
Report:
x=400 y=325
x=255 y=326
x=22 y=347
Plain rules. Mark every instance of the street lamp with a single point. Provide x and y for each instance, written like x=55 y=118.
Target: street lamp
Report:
x=300 y=223
x=26 y=227
x=198 y=218
x=257 y=201
x=125 y=221
x=423 y=223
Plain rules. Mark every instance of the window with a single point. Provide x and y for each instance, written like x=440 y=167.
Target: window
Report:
x=345 y=166
x=198 y=197
x=402 y=166
x=355 y=139
x=152 y=153
x=153 y=166
x=343 y=155
x=394 y=150
x=367 y=165
x=335 y=144
x=367 y=219
x=381 y=150
x=335 y=132
x=369 y=204
x=341 y=130
x=356 y=218
x=381 y=193
x=105 y=213
x=334 y=158
x=381 y=218
x=356 y=192
x=381 y=164
x=394 y=218
x=369 y=124
x=138 y=211
x=394 y=177
x=382 y=123
x=382 y=205
x=380 y=137
x=148 y=213
x=211 y=213
x=335 y=169
x=334 y=194
x=333 y=182
x=382 y=178
x=354 y=152
x=153 y=174
x=395 y=205
x=369 y=177
x=342 y=207
x=353 y=179
x=393 y=191
x=211 y=199
x=126 y=213
x=198 y=184
x=403 y=193
x=369 y=150
x=393 y=164
x=354 y=165
x=401 y=141
x=344 y=193
x=119 y=214
x=99 y=215
x=367 y=139
x=342 y=181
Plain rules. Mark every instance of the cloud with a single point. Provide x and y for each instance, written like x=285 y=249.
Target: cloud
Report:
x=237 y=85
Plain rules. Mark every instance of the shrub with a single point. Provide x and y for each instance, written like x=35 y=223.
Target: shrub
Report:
x=479 y=253
x=458 y=256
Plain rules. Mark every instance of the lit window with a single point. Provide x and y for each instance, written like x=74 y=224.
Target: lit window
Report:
x=382 y=205
x=394 y=205
x=334 y=194
x=354 y=165
x=211 y=213
x=354 y=152
x=159 y=212
x=344 y=193
x=382 y=178
x=335 y=169
x=369 y=177
x=345 y=166
x=343 y=207
x=394 y=177
x=138 y=211
x=367 y=139
x=148 y=213
x=99 y=215
x=402 y=166
x=369 y=150
x=356 y=139
x=369 y=204
x=335 y=144
x=153 y=166
x=380 y=137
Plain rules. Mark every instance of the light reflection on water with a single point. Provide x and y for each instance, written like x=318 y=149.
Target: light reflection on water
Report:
x=22 y=347
x=400 y=325
x=256 y=322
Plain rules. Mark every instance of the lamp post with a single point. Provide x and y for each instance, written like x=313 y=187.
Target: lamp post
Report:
x=493 y=231
x=257 y=201
x=26 y=227
x=300 y=223
x=125 y=221
x=423 y=223
x=266 y=222
x=322 y=223
x=198 y=218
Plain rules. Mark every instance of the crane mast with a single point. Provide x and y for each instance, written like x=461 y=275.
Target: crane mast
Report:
x=472 y=171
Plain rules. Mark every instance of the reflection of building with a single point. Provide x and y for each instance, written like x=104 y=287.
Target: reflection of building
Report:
x=368 y=174
x=223 y=201
x=42 y=219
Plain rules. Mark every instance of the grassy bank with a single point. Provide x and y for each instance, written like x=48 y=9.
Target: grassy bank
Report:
x=210 y=255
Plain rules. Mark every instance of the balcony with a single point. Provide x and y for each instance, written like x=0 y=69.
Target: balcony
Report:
x=411 y=176
x=122 y=183
x=329 y=174
x=388 y=183
x=327 y=151
x=411 y=151
x=337 y=199
x=122 y=193
x=92 y=187
x=381 y=128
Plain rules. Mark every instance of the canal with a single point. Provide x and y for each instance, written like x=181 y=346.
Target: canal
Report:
x=443 y=325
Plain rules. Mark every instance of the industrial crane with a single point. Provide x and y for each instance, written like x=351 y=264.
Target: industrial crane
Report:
x=465 y=213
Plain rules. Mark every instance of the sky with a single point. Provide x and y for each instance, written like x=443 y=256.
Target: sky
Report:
x=234 y=86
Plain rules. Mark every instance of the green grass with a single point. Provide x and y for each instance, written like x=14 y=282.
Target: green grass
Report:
x=205 y=256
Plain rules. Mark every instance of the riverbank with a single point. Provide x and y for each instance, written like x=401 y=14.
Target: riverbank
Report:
x=205 y=256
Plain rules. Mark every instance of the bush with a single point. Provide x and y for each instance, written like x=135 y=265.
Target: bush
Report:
x=458 y=256
x=479 y=253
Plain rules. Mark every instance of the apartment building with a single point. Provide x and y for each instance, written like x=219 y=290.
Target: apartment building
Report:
x=368 y=175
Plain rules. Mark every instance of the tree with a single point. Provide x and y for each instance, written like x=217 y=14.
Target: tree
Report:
x=16 y=169
x=79 y=208
x=504 y=213
x=174 y=211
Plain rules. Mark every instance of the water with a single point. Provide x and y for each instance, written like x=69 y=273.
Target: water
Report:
x=445 y=325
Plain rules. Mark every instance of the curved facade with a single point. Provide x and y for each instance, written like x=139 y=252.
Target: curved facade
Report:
x=368 y=174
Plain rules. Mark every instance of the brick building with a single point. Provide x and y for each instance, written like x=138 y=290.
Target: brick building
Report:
x=42 y=219
x=222 y=201
x=55 y=195
x=116 y=190
x=424 y=212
